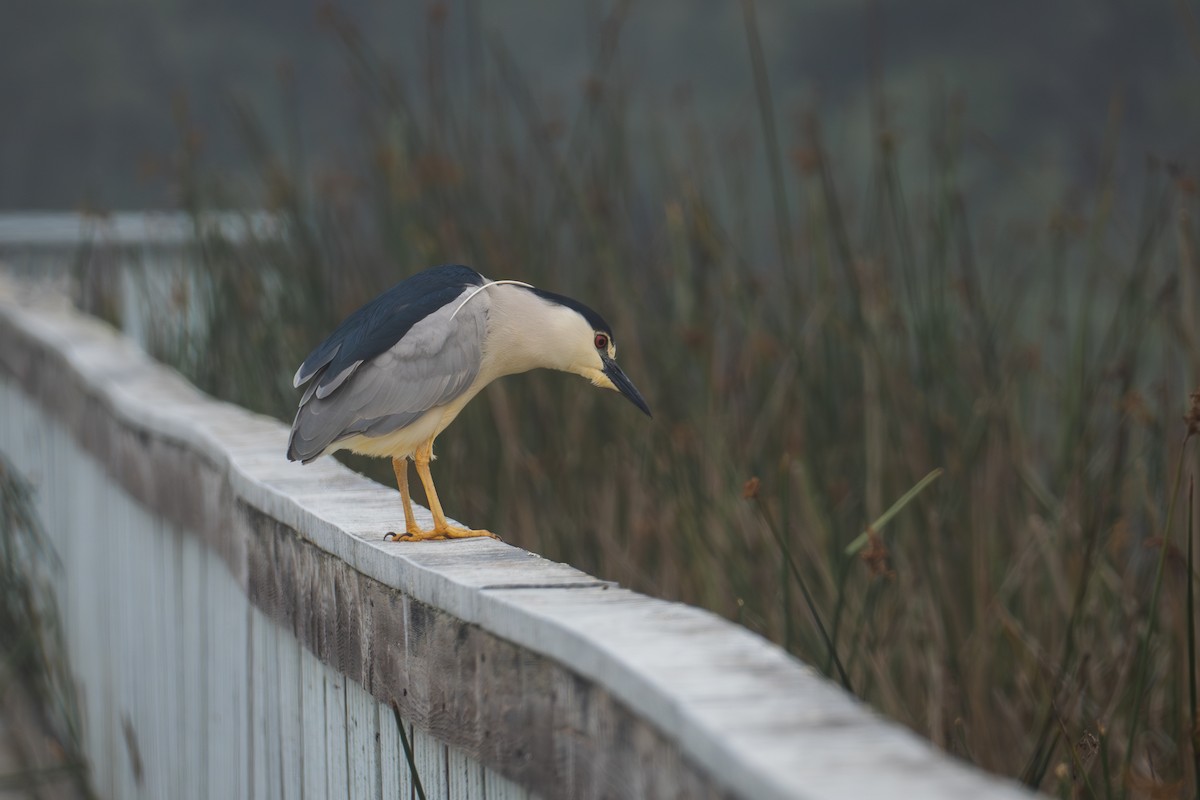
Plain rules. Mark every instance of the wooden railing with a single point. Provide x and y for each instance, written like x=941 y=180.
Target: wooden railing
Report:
x=238 y=627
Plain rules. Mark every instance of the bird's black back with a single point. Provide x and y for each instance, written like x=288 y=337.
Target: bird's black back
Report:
x=374 y=328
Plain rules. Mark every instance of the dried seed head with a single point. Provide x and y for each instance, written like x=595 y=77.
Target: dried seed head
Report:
x=1192 y=417
x=875 y=555
x=806 y=159
x=750 y=489
x=1085 y=750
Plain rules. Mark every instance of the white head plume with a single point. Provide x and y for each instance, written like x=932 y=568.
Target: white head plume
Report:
x=467 y=299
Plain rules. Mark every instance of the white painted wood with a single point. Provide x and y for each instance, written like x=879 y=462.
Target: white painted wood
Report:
x=464 y=777
x=130 y=653
x=336 y=753
x=238 y=670
x=313 y=730
x=268 y=758
x=394 y=777
x=498 y=788
x=288 y=712
x=108 y=619
x=429 y=756
x=167 y=662
x=260 y=697
x=362 y=725
x=222 y=774
x=194 y=741
x=723 y=695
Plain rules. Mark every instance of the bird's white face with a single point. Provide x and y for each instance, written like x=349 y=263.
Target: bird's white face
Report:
x=585 y=349
x=594 y=356
x=594 y=348
x=537 y=332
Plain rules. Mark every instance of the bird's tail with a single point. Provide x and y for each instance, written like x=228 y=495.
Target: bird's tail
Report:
x=301 y=449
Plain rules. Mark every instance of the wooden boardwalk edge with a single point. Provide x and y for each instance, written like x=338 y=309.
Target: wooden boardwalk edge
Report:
x=567 y=685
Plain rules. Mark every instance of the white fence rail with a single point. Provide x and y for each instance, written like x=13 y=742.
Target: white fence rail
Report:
x=239 y=628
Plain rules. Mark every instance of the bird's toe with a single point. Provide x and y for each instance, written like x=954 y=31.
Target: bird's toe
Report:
x=455 y=532
x=413 y=536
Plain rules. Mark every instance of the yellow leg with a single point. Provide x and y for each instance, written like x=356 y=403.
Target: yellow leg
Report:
x=441 y=528
x=400 y=468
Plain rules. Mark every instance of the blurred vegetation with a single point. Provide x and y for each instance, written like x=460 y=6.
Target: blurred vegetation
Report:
x=1029 y=610
x=42 y=737
x=84 y=84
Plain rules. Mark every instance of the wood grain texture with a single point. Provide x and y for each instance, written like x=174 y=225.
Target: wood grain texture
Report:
x=516 y=673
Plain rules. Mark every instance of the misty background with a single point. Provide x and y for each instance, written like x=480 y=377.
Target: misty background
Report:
x=91 y=92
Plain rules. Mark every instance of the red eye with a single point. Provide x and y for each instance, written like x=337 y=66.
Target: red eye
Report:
x=601 y=341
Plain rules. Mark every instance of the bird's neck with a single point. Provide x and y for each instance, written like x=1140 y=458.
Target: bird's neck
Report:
x=532 y=330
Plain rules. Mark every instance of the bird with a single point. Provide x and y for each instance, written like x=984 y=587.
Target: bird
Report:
x=397 y=371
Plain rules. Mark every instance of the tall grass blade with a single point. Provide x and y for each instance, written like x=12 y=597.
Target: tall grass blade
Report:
x=843 y=676
x=1191 y=638
x=861 y=540
x=408 y=751
x=766 y=110
x=1140 y=683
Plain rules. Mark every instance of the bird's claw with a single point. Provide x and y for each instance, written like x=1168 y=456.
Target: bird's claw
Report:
x=408 y=536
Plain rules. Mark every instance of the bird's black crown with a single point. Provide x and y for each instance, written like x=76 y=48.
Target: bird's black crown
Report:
x=595 y=320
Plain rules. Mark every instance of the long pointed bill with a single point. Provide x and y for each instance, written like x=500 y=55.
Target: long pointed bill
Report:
x=624 y=385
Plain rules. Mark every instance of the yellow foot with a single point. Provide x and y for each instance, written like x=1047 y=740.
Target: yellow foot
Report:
x=413 y=534
x=447 y=532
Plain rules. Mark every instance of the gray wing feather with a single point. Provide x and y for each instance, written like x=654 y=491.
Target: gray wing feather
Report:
x=435 y=362
x=302 y=376
x=326 y=386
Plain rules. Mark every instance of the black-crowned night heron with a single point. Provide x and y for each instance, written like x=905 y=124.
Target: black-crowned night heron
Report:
x=401 y=368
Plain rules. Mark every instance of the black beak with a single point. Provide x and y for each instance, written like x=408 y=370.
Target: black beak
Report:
x=624 y=385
